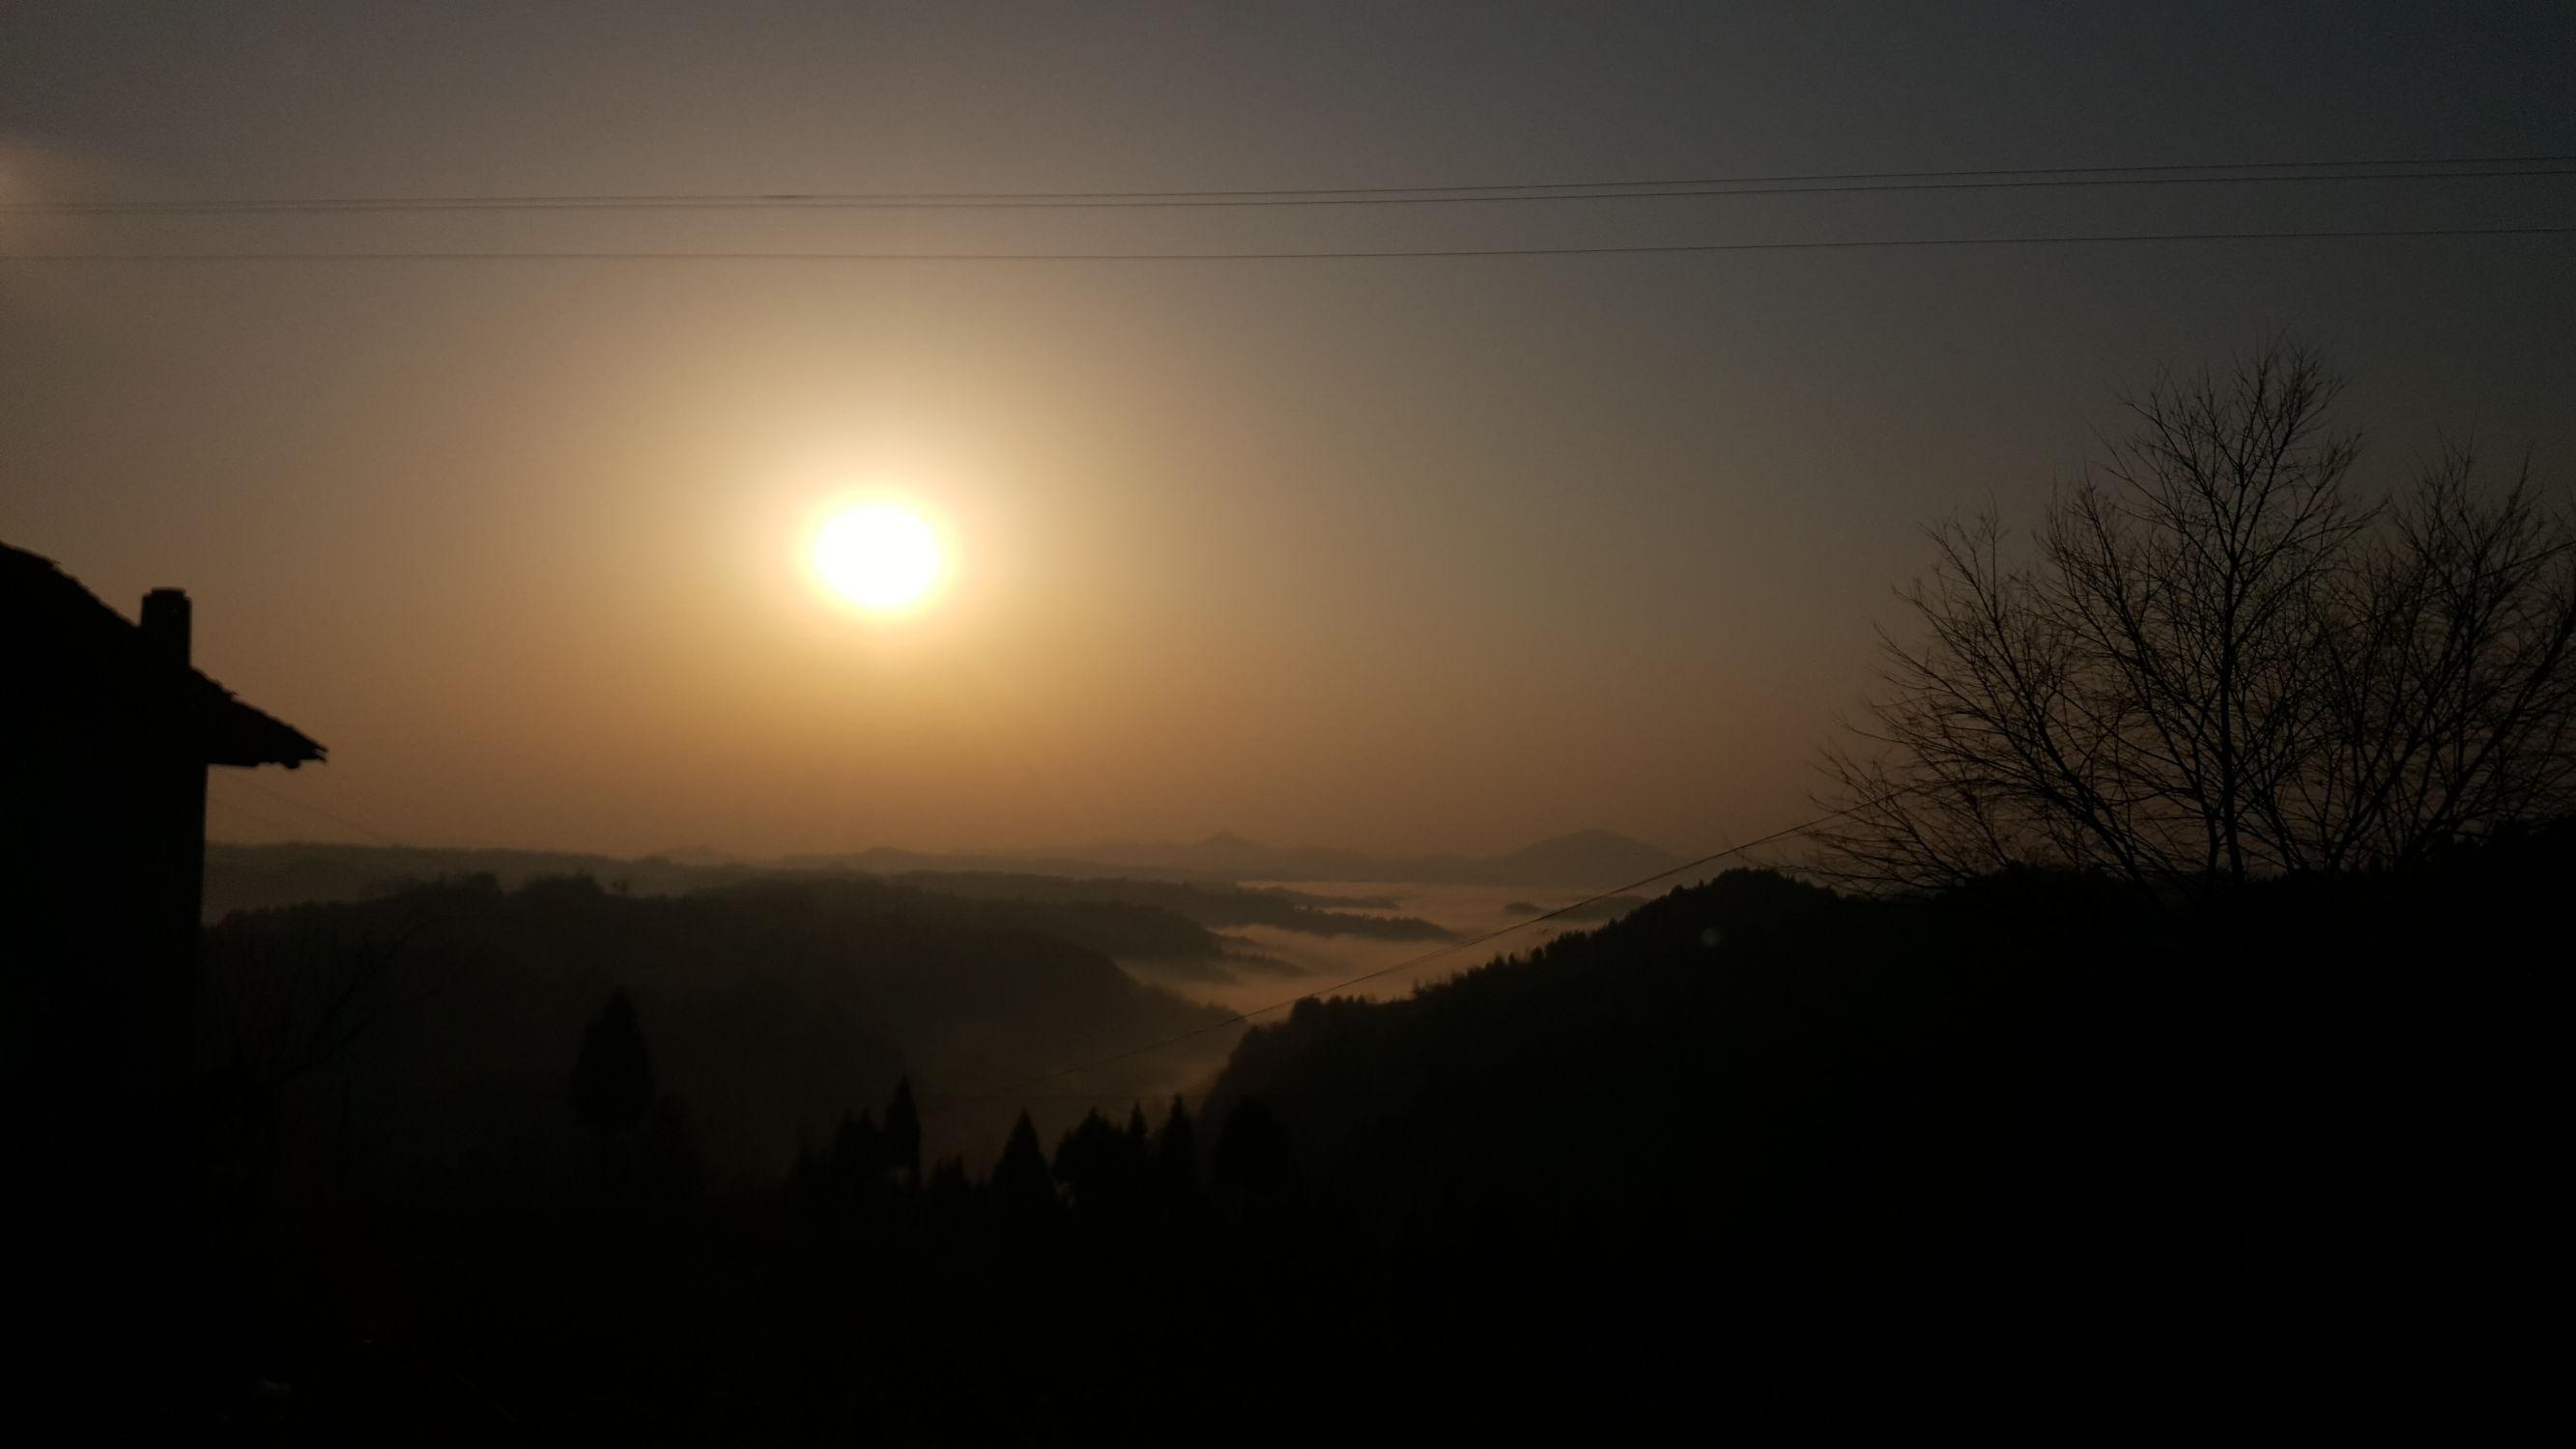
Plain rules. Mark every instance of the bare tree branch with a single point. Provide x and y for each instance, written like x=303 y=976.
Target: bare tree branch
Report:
x=2214 y=664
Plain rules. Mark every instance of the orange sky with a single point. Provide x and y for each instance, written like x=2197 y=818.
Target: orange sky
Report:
x=1402 y=555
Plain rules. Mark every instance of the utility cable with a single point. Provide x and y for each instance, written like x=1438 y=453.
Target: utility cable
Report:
x=1379 y=254
x=2220 y=173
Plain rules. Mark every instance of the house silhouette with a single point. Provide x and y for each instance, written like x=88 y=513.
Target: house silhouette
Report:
x=106 y=735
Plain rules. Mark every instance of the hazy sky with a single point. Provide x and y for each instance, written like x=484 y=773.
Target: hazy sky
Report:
x=1404 y=554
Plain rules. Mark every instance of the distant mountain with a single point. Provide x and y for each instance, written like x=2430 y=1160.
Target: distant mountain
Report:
x=699 y=855
x=258 y=877
x=241 y=877
x=1597 y=858
x=1121 y=917
x=1586 y=859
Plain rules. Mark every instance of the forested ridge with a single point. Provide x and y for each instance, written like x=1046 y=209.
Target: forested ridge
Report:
x=2036 y=1155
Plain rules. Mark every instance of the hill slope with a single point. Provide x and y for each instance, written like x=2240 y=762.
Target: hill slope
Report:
x=442 y=1020
x=2036 y=1142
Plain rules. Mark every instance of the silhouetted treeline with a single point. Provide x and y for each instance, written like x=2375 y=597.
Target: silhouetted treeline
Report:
x=2036 y=1157
x=260 y=877
x=265 y=877
x=434 y=1020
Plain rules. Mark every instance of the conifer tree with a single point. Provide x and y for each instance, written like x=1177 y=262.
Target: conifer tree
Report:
x=903 y=1132
x=1021 y=1178
x=1176 y=1149
x=612 y=1080
x=948 y=1182
x=1253 y=1162
x=858 y=1149
x=1086 y=1161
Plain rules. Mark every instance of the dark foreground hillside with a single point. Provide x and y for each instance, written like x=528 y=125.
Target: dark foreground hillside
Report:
x=2036 y=1151
x=433 y=1028
x=2032 y=1160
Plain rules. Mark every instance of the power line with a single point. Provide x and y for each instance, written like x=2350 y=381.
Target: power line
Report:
x=315 y=810
x=284 y=831
x=799 y=201
x=2456 y=167
x=1381 y=254
x=1426 y=958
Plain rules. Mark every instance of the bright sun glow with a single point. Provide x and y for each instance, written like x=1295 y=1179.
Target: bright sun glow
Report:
x=878 y=556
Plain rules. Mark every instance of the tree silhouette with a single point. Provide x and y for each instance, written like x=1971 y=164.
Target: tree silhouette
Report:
x=1086 y=1161
x=671 y=1170
x=1020 y=1179
x=2216 y=664
x=612 y=1080
x=1253 y=1162
x=1176 y=1149
x=948 y=1186
x=858 y=1150
x=903 y=1132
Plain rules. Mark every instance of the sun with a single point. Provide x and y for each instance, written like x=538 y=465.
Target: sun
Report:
x=879 y=556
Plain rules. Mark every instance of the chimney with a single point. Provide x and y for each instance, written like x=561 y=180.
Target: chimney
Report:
x=165 y=626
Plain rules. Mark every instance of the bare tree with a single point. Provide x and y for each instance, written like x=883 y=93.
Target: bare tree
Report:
x=2447 y=692
x=285 y=1007
x=2215 y=664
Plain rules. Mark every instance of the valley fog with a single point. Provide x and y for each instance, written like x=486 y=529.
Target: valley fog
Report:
x=1306 y=962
